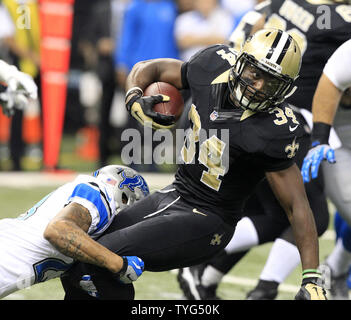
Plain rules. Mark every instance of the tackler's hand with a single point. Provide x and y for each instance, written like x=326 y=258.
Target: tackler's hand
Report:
x=132 y=269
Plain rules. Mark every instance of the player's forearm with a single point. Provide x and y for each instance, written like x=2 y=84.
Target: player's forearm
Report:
x=306 y=237
x=288 y=187
x=325 y=101
x=73 y=242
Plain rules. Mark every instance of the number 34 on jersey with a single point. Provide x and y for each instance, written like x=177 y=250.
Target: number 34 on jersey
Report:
x=212 y=152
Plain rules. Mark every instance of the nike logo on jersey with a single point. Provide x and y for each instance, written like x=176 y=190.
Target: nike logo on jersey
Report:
x=198 y=212
x=292 y=129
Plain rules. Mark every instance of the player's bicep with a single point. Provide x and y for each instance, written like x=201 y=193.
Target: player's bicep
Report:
x=163 y=70
x=170 y=72
x=76 y=214
x=98 y=203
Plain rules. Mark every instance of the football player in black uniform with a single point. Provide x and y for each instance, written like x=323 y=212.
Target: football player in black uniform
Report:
x=319 y=27
x=241 y=132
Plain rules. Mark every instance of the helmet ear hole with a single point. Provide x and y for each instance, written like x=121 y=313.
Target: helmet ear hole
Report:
x=124 y=198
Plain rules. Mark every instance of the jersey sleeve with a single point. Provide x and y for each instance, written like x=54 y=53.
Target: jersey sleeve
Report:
x=270 y=164
x=335 y=67
x=97 y=201
x=204 y=66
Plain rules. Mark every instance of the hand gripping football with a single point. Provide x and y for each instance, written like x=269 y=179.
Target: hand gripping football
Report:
x=174 y=106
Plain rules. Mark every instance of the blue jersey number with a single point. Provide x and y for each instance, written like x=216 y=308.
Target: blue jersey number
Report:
x=49 y=268
x=34 y=209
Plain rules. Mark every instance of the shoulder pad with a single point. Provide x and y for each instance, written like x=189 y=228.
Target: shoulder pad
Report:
x=208 y=63
x=264 y=7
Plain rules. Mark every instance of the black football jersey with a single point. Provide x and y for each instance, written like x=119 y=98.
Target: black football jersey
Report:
x=228 y=150
x=319 y=29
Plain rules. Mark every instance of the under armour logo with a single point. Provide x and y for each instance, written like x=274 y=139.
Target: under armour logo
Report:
x=217 y=239
x=291 y=149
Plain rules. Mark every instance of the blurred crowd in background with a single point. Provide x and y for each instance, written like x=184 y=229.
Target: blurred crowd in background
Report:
x=109 y=37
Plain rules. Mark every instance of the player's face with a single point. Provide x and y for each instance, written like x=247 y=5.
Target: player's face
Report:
x=260 y=83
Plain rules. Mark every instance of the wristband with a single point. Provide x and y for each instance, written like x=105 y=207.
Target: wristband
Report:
x=124 y=267
x=134 y=90
x=311 y=273
x=320 y=133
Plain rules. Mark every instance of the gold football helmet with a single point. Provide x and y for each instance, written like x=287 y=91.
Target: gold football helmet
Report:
x=265 y=70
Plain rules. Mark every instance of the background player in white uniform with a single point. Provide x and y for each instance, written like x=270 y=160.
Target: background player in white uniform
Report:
x=336 y=78
x=19 y=87
x=43 y=242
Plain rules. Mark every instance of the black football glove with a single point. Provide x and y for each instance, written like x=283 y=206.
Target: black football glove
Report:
x=141 y=108
x=311 y=288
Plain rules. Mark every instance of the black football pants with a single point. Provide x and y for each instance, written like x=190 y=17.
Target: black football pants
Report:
x=163 y=230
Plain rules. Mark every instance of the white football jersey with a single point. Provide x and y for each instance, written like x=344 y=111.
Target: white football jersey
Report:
x=338 y=69
x=26 y=256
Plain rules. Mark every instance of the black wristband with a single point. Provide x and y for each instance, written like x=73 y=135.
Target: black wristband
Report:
x=124 y=267
x=320 y=133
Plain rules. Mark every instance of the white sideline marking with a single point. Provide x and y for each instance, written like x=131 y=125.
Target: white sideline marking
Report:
x=247 y=282
x=45 y=179
x=328 y=235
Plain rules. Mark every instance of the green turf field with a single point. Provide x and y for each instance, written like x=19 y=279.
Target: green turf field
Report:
x=155 y=286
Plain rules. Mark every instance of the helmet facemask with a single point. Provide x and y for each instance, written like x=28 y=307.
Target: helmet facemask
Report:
x=242 y=77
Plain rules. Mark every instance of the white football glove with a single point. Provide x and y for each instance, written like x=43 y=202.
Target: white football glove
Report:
x=20 y=87
x=88 y=286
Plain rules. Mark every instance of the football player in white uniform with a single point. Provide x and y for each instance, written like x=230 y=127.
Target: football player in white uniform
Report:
x=333 y=82
x=59 y=229
x=19 y=86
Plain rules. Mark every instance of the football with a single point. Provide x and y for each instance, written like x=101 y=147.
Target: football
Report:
x=174 y=106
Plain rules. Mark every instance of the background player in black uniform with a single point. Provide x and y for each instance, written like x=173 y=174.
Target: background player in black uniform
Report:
x=241 y=132
x=318 y=34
